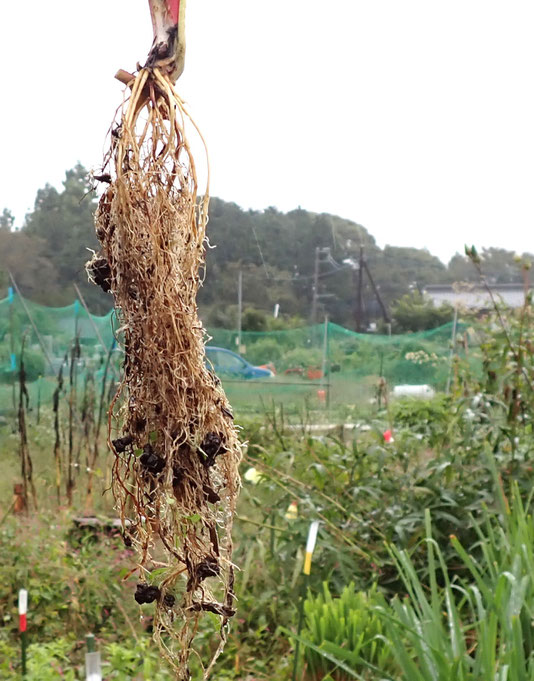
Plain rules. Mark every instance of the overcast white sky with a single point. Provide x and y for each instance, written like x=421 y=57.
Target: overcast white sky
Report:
x=414 y=118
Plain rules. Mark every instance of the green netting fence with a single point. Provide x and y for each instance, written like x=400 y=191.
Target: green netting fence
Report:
x=322 y=365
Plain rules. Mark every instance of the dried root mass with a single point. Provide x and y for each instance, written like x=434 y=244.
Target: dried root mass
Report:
x=175 y=476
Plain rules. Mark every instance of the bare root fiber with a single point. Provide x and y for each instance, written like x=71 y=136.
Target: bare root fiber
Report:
x=175 y=475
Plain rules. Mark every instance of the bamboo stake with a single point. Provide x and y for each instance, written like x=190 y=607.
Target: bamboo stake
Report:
x=39 y=338
x=13 y=359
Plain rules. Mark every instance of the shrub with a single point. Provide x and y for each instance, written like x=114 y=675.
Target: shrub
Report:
x=263 y=351
x=430 y=418
x=34 y=364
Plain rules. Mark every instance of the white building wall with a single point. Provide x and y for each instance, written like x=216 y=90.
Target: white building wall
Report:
x=478 y=298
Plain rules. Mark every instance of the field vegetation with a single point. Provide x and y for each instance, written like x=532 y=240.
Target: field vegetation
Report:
x=423 y=568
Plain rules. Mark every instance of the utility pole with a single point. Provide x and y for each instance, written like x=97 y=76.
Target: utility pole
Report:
x=319 y=252
x=359 y=292
x=385 y=314
x=239 y=308
x=315 y=286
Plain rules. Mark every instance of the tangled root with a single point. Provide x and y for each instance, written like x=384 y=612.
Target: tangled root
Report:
x=175 y=474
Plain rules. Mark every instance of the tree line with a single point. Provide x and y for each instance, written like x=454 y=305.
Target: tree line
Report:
x=275 y=252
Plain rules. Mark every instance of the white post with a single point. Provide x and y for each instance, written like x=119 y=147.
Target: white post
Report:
x=93 y=667
x=239 y=308
x=310 y=546
x=451 y=353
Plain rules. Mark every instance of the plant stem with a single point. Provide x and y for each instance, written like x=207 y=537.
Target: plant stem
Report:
x=302 y=596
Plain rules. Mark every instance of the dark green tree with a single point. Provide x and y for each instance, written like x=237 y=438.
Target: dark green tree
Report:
x=498 y=265
x=275 y=252
x=24 y=256
x=7 y=220
x=63 y=220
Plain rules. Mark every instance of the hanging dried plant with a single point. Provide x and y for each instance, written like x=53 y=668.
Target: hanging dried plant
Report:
x=24 y=450
x=175 y=475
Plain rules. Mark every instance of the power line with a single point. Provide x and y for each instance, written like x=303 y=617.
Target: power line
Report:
x=261 y=254
x=329 y=259
x=299 y=277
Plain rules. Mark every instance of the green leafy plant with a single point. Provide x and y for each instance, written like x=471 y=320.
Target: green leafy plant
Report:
x=141 y=659
x=432 y=419
x=348 y=628
x=474 y=628
x=50 y=661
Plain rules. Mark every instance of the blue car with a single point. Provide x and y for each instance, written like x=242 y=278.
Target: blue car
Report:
x=226 y=363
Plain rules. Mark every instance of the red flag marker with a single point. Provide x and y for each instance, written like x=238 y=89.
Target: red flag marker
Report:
x=23 y=609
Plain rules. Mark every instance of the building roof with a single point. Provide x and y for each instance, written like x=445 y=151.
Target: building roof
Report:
x=461 y=286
